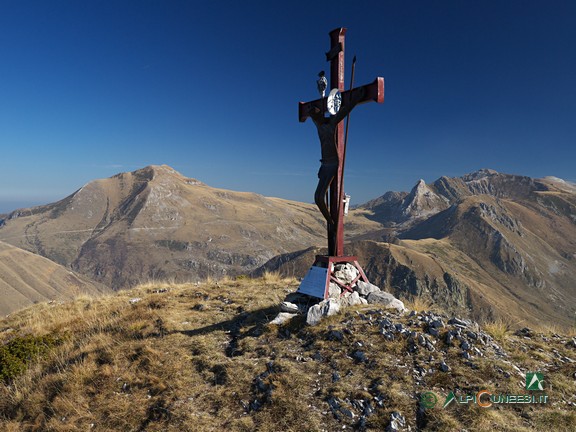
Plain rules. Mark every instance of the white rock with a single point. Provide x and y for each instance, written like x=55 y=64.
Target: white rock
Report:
x=324 y=308
x=350 y=299
x=282 y=317
x=334 y=291
x=386 y=299
x=365 y=288
x=314 y=315
x=332 y=307
x=345 y=273
x=289 y=307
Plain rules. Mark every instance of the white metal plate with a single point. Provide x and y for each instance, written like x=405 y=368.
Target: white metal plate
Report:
x=314 y=284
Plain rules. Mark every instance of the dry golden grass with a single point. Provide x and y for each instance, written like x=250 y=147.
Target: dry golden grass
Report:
x=202 y=357
x=139 y=359
x=420 y=304
x=271 y=277
x=27 y=279
x=551 y=329
x=499 y=329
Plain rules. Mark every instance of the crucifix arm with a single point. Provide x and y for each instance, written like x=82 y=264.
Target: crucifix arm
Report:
x=349 y=100
x=372 y=92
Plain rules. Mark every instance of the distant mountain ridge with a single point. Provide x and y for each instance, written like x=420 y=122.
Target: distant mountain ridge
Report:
x=424 y=200
x=485 y=244
x=154 y=223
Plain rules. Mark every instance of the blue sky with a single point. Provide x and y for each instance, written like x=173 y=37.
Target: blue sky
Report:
x=92 y=88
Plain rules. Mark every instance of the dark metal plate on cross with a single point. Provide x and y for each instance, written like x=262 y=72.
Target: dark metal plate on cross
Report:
x=333 y=146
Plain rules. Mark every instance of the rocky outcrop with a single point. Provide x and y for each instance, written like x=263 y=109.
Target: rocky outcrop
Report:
x=425 y=200
x=422 y=202
x=338 y=298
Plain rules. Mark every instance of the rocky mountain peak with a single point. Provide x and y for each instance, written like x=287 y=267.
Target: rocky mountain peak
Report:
x=422 y=201
x=159 y=172
x=480 y=174
x=365 y=370
x=420 y=187
x=419 y=192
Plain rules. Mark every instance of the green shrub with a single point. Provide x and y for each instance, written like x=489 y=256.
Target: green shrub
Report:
x=16 y=354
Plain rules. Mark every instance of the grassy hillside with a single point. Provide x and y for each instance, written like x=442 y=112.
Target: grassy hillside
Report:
x=27 y=278
x=202 y=357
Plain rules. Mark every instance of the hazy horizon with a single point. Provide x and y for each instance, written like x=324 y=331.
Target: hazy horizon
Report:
x=7 y=206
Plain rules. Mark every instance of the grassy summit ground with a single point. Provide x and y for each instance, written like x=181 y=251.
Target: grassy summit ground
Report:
x=202 y=357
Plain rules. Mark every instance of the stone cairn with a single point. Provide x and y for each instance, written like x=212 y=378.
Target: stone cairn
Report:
x=338 y=298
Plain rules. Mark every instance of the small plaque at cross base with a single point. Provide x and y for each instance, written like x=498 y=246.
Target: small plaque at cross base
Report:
x=317 y=281
x=329 y=196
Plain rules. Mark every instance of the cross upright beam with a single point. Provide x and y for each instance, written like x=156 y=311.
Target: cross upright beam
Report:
x=337 y=37
x=370 y=92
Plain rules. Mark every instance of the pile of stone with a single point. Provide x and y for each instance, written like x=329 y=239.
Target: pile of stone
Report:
x=338 y=298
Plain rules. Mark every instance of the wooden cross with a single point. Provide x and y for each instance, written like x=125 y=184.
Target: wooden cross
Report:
x=372 y=92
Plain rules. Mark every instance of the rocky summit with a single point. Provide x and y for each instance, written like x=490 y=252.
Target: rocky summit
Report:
x=355 y=293
x=204 y=357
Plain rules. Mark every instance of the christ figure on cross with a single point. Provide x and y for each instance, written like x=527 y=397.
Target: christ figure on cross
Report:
x=332 y=140
x=327 y=132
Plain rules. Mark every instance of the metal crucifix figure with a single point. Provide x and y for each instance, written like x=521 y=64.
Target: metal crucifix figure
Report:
x=331 y=133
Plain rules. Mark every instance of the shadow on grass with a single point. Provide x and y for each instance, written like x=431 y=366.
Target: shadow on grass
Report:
x=245 y=324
